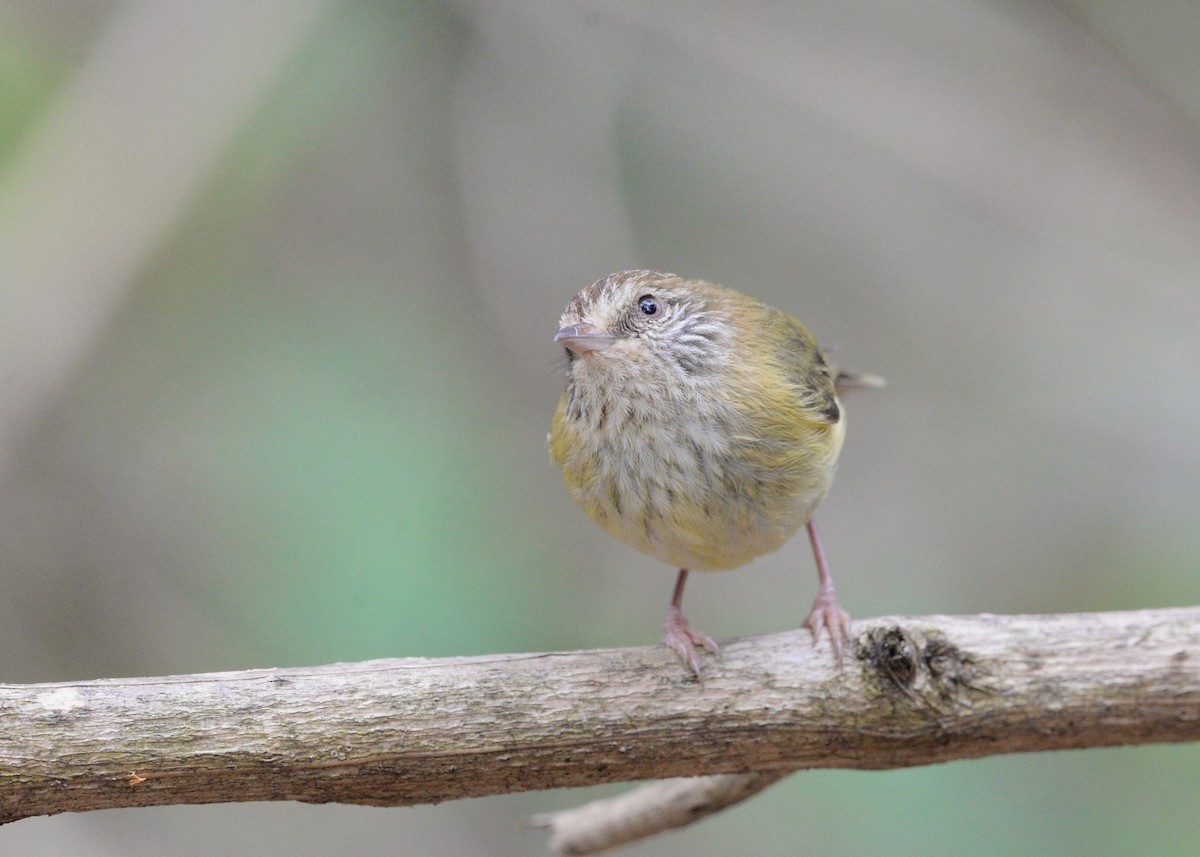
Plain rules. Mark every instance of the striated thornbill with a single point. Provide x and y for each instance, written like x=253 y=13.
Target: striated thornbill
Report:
x=700 y=426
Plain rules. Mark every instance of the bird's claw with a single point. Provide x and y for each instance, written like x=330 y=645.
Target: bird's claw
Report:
x=683 y=639
x=827 y=614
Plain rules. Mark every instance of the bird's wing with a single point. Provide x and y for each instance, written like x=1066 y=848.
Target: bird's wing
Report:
x=808 y=370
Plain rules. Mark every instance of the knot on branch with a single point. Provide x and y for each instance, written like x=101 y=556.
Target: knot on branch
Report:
x=920 y=665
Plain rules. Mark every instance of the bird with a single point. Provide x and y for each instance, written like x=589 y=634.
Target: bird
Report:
x=702 y=427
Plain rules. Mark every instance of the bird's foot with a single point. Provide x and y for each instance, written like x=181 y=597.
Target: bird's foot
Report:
x=827 y=614
x=681 y=637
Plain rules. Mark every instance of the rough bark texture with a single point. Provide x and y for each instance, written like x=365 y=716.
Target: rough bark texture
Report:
x=916 y=690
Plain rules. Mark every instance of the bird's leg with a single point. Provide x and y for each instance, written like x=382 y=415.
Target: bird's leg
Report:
x=679 y=635
x=826 y=611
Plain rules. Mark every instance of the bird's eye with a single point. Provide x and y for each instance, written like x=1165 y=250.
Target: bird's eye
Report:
x=647 y=305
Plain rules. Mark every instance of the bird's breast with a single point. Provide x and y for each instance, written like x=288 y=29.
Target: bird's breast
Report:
x=690 y=477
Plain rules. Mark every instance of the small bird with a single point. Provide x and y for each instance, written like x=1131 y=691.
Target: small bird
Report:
x=701 y=427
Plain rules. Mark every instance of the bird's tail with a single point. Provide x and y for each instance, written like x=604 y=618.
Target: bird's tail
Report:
x=845 y=381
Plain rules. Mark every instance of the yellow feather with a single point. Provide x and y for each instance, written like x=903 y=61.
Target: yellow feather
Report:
x=704 y=471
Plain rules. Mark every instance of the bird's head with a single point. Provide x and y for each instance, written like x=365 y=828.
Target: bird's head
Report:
x=647 y=319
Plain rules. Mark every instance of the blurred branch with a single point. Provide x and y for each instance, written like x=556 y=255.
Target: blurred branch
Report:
x=165 y=86
x=398 y=732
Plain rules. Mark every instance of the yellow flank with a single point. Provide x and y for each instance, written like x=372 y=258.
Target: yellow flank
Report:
x=698 y=424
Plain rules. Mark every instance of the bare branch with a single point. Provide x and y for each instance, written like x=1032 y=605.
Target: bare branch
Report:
x=650 y=809
x=401 y=732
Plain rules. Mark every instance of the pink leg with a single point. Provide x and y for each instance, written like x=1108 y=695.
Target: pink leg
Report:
x=679 y=635
x=826 y=611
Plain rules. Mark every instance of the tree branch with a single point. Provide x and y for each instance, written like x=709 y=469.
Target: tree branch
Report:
x=398 y=732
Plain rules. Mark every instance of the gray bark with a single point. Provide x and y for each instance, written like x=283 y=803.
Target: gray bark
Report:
x=914 y=690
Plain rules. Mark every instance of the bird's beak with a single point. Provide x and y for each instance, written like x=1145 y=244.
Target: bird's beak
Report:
x=582 y=338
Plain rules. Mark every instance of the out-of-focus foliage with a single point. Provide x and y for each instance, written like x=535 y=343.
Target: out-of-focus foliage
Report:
x=277 y=284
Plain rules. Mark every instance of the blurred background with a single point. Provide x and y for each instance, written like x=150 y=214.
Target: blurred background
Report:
x=278 y=283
